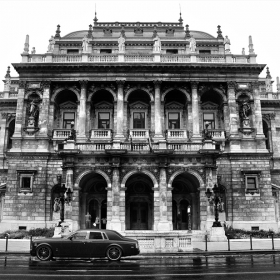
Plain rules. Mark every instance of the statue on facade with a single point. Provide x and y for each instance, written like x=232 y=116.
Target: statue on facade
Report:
x=157 y=44
x=51 y=44
x=85 y=43
x=121 y=42
x=192 y=46
x=245 y=110
x=33 y=109
x=227 y=44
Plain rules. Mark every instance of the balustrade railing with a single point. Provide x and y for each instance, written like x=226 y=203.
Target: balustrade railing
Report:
x=174 y=58
x=177 y=134
x=101 y=134
x=211 y=59
x=93 y=147
x=217 y=133
x=139 y=133
x=185 y=146
x=103 y=58
x=61 y=134
x=138 y=58
x=67 y=58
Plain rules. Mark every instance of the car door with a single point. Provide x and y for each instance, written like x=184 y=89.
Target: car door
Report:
x=74 y=246
x=97 y=244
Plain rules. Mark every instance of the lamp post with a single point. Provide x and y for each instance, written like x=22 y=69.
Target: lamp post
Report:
x=189 y=219
x=216 y=196
x=65 y=195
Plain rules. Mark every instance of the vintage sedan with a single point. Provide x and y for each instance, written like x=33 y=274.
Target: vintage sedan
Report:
x=85 y=244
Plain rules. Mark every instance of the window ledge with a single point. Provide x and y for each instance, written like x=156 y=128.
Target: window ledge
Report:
x=25 y=193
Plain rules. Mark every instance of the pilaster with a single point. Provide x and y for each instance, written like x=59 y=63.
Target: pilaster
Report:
x=120 y=110
x=196 y=137
x=81 y=124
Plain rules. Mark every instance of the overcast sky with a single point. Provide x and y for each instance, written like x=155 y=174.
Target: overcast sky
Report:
x=238 y=20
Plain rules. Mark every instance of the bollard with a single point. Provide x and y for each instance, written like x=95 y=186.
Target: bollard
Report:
x=228 y=243
x=272 y=239
x=7 y=238
x=206 y=243
x=251 y=243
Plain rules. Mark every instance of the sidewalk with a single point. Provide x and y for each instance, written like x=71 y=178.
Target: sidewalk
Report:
x=237 y=246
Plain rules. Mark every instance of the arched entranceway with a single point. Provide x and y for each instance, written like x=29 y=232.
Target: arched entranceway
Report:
x=139 y=197
x=185 y=202
x=93 y=201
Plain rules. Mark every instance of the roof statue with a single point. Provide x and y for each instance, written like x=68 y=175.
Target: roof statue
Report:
x=33 y=50
x=157 y=44
x=192 y=45
x=26 y=44
x=85 y=43
x=227 y=44
x=51 y=44
x=243 y=51
x=121 y=42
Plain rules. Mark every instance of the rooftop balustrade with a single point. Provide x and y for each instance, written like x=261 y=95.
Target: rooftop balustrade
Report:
x=137 y=58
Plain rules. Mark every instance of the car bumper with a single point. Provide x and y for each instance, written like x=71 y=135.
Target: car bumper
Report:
x=33 y=252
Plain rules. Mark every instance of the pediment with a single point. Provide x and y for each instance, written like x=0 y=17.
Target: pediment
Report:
x=174 y=106
x=209 y=106
x=138 y=105
x=103 y=105
x=68 y=105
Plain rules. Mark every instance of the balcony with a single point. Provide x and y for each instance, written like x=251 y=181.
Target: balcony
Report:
x=217 y=134
x=139 y=134
x=187 y=147
x=61 y=134
x=177 y=134
x=101 y=134
x=88 y=147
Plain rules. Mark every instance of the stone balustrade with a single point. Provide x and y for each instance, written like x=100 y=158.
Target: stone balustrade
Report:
x=139 y=133
x=101 y=134
x=136 y=58
x=177 y=134
x=270 y=95
x=188 y=147
x=61 y=134
x=93 y=146
x=217 y=134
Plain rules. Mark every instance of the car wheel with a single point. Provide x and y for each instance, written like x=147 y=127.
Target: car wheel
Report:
x=114 y=253
x=44 y=253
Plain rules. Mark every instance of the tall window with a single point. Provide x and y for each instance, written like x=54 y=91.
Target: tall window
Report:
x=104 y=120
x=173 y=120
x=208 y=118
x=67 y=119
x=251 y=182
x=138 y=120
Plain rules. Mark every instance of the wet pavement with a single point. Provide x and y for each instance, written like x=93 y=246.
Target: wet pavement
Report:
x=264 y=267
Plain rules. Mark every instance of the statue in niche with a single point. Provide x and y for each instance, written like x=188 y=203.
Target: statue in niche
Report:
x=192 y=46
x=245 y=110
x=85 y=43
x=121 y=42
x=157 y=44
x=33 y=109
x=51 y=44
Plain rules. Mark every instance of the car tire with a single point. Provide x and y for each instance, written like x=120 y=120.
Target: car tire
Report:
x=44 y=253
x=114 y=253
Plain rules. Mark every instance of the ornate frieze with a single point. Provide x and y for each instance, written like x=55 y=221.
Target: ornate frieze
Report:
x=269 y=116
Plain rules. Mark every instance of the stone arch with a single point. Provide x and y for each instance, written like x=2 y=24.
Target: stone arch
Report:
x=146 y=172
x=57 y=91
x=192 y=172
x=217 y=90
x=98 y=171
x=99 y=88
x=179 y=89
x=33 y=92
x=249 y=94
x=136 y=88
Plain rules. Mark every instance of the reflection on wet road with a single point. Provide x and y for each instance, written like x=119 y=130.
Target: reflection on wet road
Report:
x=255 y=267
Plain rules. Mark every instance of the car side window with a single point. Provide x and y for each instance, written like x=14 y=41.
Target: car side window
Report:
x=95 y=235
x=79 y=236
x=104 y=235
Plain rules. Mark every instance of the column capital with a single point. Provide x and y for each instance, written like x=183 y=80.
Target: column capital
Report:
x=194 y=85
x=255 y=85
x=231 y=85
x=46 y=84
x=120 y=82
x=157 y=83
x=83 y=83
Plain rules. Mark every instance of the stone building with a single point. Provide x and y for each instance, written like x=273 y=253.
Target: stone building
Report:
x=161 y=113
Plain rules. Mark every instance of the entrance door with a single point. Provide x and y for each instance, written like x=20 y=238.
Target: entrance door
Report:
x=184 y=214
x=139 y=215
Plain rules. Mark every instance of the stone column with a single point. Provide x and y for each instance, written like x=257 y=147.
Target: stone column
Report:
x=257 y=111
x=44 y=109
x=76 y=208
x=195 y=113
x=115 y=222
x=81 y=124
x=120 y=111
x=163 y=224
x=158 y=122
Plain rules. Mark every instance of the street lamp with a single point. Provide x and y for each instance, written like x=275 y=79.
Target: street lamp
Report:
x=189 y=219
x=216 y=196
x=65 y=195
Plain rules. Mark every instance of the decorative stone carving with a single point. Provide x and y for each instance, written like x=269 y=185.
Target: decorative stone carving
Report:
x=51 y=44
x=121 y=43
x=270 y=116
x=21 y=84
x=192 y=45
x=227 y=44
x=85 y=43
x=157 y=44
